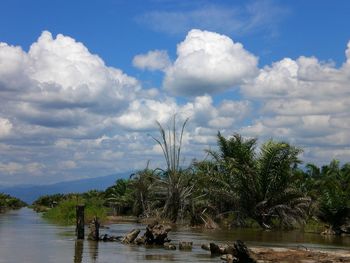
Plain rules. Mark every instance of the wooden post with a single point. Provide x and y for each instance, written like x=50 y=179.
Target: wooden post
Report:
x=79 y=230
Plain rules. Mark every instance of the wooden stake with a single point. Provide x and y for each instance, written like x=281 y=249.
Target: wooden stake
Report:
x=79 y=230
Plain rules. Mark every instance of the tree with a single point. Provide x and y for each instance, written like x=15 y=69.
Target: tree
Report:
x=205 y=202
x=143 y=183
x=174 y=181
x=119 y=196
x=276 y=194
x=10 y=202
x=334 y=207
x=261 y=184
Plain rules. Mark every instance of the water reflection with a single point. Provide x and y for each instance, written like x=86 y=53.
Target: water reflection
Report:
x=93 y=250
x=161 y=257
x=78 y=251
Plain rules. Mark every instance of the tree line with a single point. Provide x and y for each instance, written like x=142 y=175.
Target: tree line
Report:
x=8 y=202
x=240 y=183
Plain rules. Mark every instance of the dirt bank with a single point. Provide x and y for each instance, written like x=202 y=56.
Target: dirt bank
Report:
x=302 y=255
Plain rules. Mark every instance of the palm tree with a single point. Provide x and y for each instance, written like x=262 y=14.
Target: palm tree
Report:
x=308 y=181
x=119 y=196
x=276 y=193
x=335 y=195
x=235 y=154
x=261 y=183
x=143 y=183
x=206 y=202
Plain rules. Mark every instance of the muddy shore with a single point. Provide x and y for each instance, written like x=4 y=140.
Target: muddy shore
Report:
x=273 y=254
x=299 y=255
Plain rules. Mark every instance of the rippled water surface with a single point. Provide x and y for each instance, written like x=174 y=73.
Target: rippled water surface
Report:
x=26 y=237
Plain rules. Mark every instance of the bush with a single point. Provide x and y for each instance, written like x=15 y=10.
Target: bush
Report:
x=10 y=202
x=65 y=212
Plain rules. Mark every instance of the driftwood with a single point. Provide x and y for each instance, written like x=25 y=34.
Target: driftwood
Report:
x=242 y=252
x=229 y=258
x=205 y=247
x=238 y=250
x=156 y=234
x=94 y=230
x=216 y=249
x=110 y=238
x=140 y=240
x=169 y=246
x=131 y=236
x=221 y=249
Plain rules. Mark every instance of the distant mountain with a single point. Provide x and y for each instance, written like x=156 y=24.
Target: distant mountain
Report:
x=30 y=193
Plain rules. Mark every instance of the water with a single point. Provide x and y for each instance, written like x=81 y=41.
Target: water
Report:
x=26 y=237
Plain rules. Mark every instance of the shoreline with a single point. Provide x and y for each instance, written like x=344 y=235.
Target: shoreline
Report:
x=302 y=255
x=272 y=253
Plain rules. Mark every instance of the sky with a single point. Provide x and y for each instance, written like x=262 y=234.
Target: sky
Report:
x=82 y=83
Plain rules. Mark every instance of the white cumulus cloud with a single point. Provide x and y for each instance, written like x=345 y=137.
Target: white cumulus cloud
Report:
x=208 y=62
x=304 y=101
x=152 y=60
x=63 y=109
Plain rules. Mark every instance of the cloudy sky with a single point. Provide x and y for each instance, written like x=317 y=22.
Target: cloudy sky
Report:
x=82 y=83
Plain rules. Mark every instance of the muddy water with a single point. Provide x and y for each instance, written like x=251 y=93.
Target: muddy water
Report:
x=26 y=237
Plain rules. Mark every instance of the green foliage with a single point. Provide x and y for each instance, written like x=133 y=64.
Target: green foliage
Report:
x=119 y=196
x=239 y=182
x=174 y=184
x=10 y=202
x=313 y=225
x=144 y=183
x=259 y=185
x=334 y=204
x=65 y=212
x=47 y=201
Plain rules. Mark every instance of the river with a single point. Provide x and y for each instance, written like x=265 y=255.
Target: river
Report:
x=26 y=237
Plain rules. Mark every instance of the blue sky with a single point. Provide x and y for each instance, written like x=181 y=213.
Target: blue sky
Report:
x=83 y=82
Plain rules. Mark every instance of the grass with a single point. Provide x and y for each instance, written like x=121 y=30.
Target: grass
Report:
x=314 y=226
x=65 y=212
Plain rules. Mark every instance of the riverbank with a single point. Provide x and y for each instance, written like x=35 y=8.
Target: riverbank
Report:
x=267 y=253
x=302 y=255
x=8 y=202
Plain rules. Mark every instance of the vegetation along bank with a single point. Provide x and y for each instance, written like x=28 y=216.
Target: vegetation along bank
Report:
x=263 y=186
